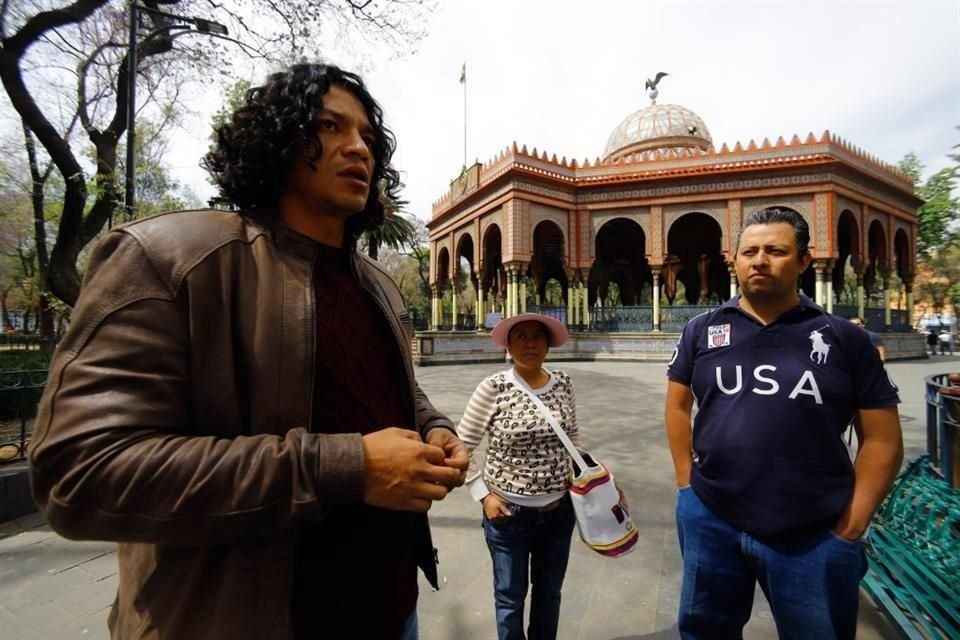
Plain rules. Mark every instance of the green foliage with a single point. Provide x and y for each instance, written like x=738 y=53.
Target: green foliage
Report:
x=396 y=232
x=22 y=360
x=911 y=167
x=553 y=293
x=234 y=98
x=937 y=283
x=938 y=217
x=406 y=257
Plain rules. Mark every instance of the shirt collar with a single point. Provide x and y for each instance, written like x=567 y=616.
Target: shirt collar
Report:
x=805 y=304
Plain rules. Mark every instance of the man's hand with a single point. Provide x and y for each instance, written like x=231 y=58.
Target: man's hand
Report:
x=454 y=451
x=403 y=473
x=494 y=508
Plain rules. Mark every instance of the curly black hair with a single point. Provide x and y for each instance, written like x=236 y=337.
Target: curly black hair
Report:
x=251 y=157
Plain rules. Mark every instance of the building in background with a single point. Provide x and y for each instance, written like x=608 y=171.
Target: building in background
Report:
x=642 y=238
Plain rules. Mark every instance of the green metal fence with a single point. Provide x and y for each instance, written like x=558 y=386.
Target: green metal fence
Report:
x=20 y=393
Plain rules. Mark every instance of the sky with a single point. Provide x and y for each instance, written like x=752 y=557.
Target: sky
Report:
x=561 y=75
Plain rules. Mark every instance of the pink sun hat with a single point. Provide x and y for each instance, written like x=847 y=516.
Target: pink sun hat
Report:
x=556 y=329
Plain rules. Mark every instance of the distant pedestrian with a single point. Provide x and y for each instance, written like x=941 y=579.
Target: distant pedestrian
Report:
x=946 y=342
x=522 y=484
x=932 y=341
x=875 y=338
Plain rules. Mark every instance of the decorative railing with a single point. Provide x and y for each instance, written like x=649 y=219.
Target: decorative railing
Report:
x=557 y=313
x=418 y=322
x=848 y=311
x=639 y=318
x=19 y=395
x=673 y=318
x=875 y=318
x=622 y=319
x=465 y=322
x=900 y=320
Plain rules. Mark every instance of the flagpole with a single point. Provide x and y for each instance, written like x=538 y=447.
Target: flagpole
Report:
x=464 y=78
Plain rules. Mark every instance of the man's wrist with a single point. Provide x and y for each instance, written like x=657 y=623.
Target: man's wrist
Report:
x=436 y=424
x=850 y=529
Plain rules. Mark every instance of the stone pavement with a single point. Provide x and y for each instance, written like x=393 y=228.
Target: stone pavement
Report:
x=51 y=588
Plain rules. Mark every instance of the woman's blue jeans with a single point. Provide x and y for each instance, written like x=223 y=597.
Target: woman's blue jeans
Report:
x=812 y=584
x=530 y=548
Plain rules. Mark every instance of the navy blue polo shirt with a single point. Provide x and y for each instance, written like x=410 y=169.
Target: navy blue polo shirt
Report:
x=772 y=404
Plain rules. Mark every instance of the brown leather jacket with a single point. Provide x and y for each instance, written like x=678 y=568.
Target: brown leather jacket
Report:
x=174 y=422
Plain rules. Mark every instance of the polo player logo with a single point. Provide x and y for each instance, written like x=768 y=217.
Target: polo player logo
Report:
x=820 y=349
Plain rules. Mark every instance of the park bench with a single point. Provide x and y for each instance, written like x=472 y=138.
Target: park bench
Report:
x=914 y=549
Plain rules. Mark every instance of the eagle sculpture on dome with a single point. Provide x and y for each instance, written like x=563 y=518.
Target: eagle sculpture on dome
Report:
x=652 y=85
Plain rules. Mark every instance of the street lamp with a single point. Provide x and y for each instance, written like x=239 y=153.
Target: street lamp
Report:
x=164 y=22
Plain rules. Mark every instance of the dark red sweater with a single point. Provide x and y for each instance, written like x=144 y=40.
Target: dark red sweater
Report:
x=356 y=572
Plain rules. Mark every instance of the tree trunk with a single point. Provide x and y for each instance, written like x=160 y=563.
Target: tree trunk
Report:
x=7 y=324
x=38 y=181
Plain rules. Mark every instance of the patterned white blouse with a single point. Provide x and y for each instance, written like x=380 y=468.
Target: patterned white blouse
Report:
x=526 y=463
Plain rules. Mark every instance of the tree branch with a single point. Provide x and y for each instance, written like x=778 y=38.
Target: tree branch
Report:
x=36 y=26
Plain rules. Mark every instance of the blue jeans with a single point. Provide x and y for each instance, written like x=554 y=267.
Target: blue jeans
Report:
x=812 y=584
x=529 y=547
x=410 y=628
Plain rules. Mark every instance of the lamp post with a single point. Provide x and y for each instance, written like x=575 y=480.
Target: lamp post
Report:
x=164 y=22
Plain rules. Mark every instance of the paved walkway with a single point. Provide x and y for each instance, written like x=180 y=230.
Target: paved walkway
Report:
x=51 y=588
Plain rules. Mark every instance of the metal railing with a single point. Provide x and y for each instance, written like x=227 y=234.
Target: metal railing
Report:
x=673 y=318
x=639 y=318
x=875 y=319
x=419 y=323
x=943 y=429
x=557 y=313
x=20 y=393
x=465 y=322
x=622 y=319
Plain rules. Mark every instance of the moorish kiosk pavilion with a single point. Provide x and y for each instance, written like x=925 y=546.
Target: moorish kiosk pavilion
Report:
x=627 y=248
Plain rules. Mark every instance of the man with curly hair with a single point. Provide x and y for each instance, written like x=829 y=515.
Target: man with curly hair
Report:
x=235 y=402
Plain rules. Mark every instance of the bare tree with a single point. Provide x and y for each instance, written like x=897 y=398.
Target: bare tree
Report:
x=60 y=61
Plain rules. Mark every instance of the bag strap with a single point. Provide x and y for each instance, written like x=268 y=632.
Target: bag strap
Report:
x=564 y=438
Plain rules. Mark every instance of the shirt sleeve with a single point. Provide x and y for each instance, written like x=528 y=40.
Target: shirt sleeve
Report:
x=680 y=368
x=474 y=424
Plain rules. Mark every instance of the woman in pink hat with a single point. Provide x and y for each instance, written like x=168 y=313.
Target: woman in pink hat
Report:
x=522 y=484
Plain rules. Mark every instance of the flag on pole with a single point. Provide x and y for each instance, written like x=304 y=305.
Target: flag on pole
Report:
x=463 y=73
